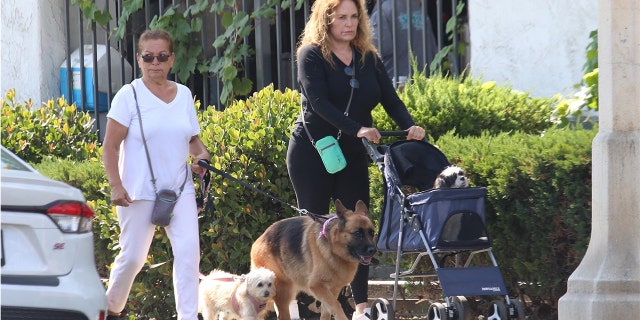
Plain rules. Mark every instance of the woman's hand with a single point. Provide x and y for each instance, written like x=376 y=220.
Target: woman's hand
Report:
x=198 y=152
x=120 y=196
x=372 y=134
x=196 y=168
x=415 y=133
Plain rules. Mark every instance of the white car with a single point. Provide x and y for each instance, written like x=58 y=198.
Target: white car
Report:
x=48 y=267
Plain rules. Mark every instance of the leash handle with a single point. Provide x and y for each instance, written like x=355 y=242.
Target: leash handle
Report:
x=204 y=164
x=204 y=205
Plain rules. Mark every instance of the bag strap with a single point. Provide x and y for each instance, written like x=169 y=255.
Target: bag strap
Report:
x=146 y=149
x=346 y=111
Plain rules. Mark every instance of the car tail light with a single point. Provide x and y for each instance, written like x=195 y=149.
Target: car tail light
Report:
x=72 y=217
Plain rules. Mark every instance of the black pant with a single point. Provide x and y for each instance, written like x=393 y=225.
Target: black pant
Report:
x=315 y=189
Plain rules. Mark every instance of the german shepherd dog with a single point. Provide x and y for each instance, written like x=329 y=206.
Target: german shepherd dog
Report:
x=319 y=259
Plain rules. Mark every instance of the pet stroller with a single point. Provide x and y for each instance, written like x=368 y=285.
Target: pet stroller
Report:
x=447 y=225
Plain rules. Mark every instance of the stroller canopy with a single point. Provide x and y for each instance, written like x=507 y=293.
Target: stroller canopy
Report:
x=415 y=163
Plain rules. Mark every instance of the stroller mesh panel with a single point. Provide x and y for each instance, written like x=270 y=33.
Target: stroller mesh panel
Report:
x=463 y=229
x=449 y=219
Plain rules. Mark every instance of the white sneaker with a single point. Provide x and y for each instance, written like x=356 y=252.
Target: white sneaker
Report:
x=363 y=316
x=293 y=310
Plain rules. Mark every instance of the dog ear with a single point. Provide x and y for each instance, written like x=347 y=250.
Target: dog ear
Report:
x=340 y=208
x=361 y=207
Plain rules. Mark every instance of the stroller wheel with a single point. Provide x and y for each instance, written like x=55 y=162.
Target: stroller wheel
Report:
x=516 y=310
x=437 y=311
x=497 y=310
x=462 y=307
x=381 y=309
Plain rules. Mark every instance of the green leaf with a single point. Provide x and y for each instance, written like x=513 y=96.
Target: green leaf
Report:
x=220 y=41
x=217 y=7
x=198 y=7
x=227 y=19
x=225 y=94
x=240 y=19
x=103 y=17
x=196 y=24
x=230 y=72
x=242 y=86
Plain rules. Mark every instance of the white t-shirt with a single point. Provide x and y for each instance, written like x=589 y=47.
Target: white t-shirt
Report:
x=168 y=127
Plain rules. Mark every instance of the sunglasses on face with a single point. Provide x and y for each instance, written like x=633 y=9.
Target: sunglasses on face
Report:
x=353 y=82
x=148 y=58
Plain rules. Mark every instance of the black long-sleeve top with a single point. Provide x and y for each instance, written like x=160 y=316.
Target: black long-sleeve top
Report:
x=326 y=90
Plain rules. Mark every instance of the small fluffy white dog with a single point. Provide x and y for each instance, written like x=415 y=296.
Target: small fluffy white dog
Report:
x=451 y=177
x=223 y=295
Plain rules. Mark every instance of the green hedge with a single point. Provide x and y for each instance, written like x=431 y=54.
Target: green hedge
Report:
x=538 y=203
x=248 y=140
x=538 y=180
x=470 y=106
x=53 y=129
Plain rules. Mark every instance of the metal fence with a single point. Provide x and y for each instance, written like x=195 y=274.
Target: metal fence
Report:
x=114 y=64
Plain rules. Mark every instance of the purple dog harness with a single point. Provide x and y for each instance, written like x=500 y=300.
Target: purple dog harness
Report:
x=323 y=233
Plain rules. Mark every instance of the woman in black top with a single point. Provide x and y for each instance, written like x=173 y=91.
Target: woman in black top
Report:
x=335 y=43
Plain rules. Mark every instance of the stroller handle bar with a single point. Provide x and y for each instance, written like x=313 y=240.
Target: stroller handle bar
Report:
x=396 y=133
x=376 y=152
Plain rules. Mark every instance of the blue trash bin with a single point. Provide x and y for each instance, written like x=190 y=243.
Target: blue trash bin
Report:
x=103 y=73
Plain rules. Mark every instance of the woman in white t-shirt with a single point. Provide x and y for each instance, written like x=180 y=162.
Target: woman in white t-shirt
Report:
x=171 y=131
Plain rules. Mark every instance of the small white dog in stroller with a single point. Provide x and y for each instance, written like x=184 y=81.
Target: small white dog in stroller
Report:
x=451 y=177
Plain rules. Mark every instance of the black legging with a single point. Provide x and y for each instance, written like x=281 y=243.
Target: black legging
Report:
x=315 y=189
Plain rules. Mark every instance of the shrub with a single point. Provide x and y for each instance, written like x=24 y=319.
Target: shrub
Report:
x=470 y=107
x=583 y=105
x=248 y=141
x=538 y=204
x=55 y=129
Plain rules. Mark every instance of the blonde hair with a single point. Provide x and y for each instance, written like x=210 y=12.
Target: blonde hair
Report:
x=316 y=31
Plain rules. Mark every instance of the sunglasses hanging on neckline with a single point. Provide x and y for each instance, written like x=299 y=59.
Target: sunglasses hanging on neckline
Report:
x=351 y=71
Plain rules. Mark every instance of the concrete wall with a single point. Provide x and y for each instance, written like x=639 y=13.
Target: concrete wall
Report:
x=32 y=44
x=537 y=46
x=532 y=45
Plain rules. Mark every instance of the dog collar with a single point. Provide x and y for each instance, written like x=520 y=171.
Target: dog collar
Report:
x=323 y=233
x=257 y=306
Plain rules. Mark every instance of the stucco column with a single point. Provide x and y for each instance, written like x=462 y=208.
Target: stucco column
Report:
x=606 y=284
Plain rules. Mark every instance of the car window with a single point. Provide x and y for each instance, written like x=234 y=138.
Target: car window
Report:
x=10 y=162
